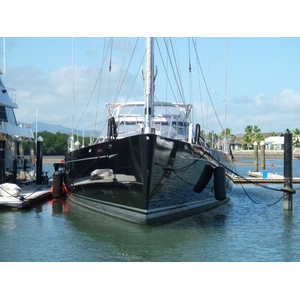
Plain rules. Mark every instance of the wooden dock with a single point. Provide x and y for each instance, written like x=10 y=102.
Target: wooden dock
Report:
x=254 y=177
x=30 y=195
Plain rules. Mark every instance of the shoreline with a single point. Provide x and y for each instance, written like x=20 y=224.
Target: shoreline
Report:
x=249 y=154
x=237 y=154
x=50 y=160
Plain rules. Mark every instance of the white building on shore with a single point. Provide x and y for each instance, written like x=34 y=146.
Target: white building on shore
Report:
x=274 y=143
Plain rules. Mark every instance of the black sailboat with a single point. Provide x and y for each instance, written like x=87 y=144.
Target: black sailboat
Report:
x=152 y=165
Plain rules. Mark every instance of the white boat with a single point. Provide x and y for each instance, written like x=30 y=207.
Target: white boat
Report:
x=16 y=140
x=152 y=165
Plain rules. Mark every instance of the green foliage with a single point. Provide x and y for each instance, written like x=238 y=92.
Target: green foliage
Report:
x=212 y=138
x=226 y=133
x=56 y=143
x=252 y=134
x=296 y=137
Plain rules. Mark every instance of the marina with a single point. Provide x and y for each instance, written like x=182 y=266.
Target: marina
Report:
x=250 y=225
x=40 y=245
x=241 y=230
x=146 y=168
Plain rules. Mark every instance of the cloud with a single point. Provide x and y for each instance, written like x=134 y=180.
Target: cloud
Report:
x=270 y=114
x=51 y=94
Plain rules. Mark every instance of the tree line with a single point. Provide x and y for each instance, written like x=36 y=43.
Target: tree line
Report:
x=56 y=143
x=252 y=134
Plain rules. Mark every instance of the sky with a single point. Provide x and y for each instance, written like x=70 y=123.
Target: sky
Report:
x=252 y=76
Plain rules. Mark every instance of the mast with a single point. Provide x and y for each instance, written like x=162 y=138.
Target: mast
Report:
x=225 y=100
x=72 y=134
x=149 y=85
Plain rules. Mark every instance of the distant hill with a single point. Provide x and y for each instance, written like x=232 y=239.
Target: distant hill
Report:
x=50 y=128
x=58 y=128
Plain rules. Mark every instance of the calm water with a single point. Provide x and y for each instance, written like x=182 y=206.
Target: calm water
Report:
x=241 y=231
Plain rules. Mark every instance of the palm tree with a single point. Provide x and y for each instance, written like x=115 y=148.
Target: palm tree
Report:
x=258 y=136
x=249 y=129
x=296 y=137
x=225 y=133
x=253 y=134
x=247 y=141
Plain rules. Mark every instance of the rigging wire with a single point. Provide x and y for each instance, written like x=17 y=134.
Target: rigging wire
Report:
x=190 y=67
x=97 y=105
x=109 y=68
x=173 y=70
x=180 y=86
x=135 y=78
x=108 y=90
x=200 y=92
x=166 y=70
x=126 y=72
x=93 y=90
x=191 y=94
x=166 y=97
x=206 y=86
x=117 y=90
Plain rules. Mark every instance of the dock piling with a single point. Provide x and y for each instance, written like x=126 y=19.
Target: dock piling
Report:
x=255 y=157
x=288 y=172
x=262 y=156
x=39 y=160
x=14 y=170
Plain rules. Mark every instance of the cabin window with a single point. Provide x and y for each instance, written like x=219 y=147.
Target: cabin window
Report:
x=11 y=118
x=3 y=116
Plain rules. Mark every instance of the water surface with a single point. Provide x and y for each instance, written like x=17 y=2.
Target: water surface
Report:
x=243 y=230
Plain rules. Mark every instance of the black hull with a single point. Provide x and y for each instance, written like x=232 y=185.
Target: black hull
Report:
x=152 y=181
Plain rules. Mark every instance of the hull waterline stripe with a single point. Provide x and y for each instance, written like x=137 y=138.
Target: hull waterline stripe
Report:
x=90 y=158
